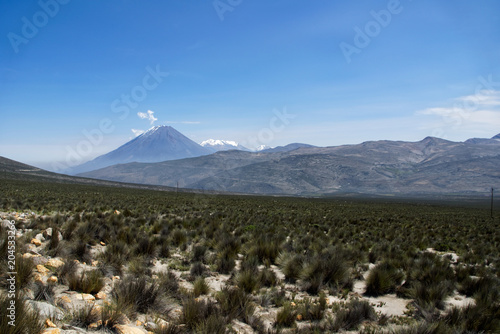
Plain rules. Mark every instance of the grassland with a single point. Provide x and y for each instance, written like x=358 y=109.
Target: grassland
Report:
x=194 y=263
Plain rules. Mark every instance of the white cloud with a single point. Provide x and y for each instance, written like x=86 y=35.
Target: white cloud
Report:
x=478 y=113
x=149 y=116
x=137 y=132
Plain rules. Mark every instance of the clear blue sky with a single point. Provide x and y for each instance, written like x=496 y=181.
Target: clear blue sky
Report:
x=348 y=71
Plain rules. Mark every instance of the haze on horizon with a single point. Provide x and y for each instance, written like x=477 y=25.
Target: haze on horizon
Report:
x=344 y=72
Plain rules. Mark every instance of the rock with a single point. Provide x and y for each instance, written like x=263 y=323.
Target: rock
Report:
x=40 y=237
x=27 y=256
x=127 y=329
x=41 y=269
x=38 y=278
x=102 y=243
x=55 y=263
x=84 y=296
x=39 y=260
x=36 y=242
x=46 y=310
x=49 y=323
x=52 y=279
x=95 y=325
x=47 y=233
x=52 y=331
x=101 y=295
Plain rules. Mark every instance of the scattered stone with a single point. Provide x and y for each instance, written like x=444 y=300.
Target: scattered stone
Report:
x=84 y=296
x=127 y=329
x=52 y=279
x=55 y=263
x=52 y=331
x=101 y=295
x=41 y=269
x=38 y=278
x=36 y=242
x=27 y=256
x=47 y=233
x=40 y=237
x=49 y=323
x=102 y=243
x=95 y=325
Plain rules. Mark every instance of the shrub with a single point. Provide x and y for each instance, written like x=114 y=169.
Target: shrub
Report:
x=383 y=279
x=200 y=287
x=213 y=324
x=329 y=269
x=354 y=313
x=168 y=284
x=87 y=282
x=138 y=294
x=24 y=270
x=199 y=252
x=26 y=320
x=196 y=312
x=291 y=266
x=267 y=277
x=247 y=281
x=84 y=316
x=312 y=311
x=43 y=291
x=285 y=316
x=197 y=269
x=266 y=249
x=234 y=303
x=225 y=262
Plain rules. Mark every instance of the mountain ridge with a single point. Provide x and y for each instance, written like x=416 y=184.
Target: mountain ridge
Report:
x=432 y=165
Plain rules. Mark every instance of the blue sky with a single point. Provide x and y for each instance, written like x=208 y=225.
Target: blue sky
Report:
x=74 y=75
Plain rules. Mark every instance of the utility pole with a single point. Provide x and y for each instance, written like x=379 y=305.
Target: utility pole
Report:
x=491 y=206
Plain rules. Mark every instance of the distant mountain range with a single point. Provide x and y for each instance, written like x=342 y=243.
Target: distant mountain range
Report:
x=163 y=143
x=430 y=166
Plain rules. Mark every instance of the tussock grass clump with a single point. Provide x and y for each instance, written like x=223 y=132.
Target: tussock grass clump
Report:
x=197 y=269
x=26 y=319
x=267 y=277
x=225 y=262
x=199 y=252
x=84 y=316
x=291 y=265
x=286 y=316
x=233 y=301
x=201 y=316
x=138 y=295
x=43 y=291
x=168 y=284
x=248 y=281
x=353 y=314
x=383 y=279
x=24 y=270
x=309 y=310
x=87 y=282
x=328 y=269
x=266 y=249
x=474 y=318
x=200 y=287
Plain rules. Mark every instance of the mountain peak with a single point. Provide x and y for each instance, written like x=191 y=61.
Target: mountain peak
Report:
x=496 y=137
x=160 y=143
x=222 y=145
